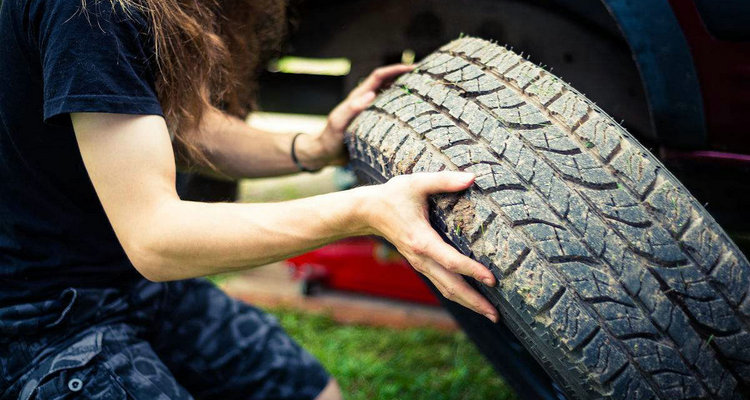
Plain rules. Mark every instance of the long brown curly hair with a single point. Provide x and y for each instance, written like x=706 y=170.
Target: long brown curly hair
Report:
x=208 y=54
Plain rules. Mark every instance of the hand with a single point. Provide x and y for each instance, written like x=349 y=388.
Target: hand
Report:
x=400 y=214
x=327 y=148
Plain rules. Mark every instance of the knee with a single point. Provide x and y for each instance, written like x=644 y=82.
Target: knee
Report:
x=332 y=391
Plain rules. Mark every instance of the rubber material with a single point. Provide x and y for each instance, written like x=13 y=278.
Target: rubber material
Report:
x=495 y=341
x=610 y=273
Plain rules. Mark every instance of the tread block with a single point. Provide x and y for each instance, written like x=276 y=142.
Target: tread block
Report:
x=504 y=61
x=629 y=386
x=468 y=74
x=406 y=156
x=581 y=168
x=732 y=275
x=668 y=370
x=400 y=103
x=366 y=125
x=459 y=154
x=703 y=245
x=556 y=243
x=602 y=359
x=386 y=97
x=472 y=218
x=379 y=132
x=635 y=168
x=617 y=204
x=440 y=64
x=392 y=141
x=488 y=53
x=500 y=99
x=551 y=139
x=500 y=248
x=423 y=164
x=598 y=133
x=572 y=325
x=734 y=347
x=625 y=321
x=524 y=208
x=570 y=108
x=591 y=283
x=468 y=45
x=523 y=74
x=445 y=137
x=635 y=225
x=494 y=177
x=416 y=108
x=525 y=115
x=537 y=286
x=671 y=206
x=545 y=89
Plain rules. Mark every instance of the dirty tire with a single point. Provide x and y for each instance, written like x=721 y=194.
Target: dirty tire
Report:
x=610 y=273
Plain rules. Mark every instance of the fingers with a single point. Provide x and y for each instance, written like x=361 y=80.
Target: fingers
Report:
x=442 y=264
x=379 y=77
x=345 y=112
x=455 y=262
x=442 y=182
x=360 y=103
x=363 y=95
x=454 y=288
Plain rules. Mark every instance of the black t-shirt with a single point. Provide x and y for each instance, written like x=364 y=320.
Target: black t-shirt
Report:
x=56 y=58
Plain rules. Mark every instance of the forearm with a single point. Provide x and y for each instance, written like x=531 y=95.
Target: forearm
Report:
x=239 y=151
x=188 y=239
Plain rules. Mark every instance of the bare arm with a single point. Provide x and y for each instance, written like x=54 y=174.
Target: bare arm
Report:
x=237 y=150
x=130 y=162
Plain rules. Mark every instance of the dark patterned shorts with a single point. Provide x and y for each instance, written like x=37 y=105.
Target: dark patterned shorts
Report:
x=159 y=341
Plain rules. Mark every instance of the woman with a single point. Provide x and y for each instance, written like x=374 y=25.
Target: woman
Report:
x=96 y=248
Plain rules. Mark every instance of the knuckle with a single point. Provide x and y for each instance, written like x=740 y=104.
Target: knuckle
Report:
x=451 y=266
x=451 y=292
x=419 y=246
x=417 y=264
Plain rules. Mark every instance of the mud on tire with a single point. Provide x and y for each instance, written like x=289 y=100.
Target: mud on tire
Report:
x=610 y=273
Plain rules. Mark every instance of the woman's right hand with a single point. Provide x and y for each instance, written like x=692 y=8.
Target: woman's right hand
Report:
x=399 y=213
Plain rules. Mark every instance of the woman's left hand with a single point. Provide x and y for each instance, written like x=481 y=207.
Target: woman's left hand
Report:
x=327 y=148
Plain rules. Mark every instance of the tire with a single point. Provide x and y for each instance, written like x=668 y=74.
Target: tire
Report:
x=609 y=272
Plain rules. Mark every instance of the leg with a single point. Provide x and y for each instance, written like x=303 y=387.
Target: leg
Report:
x=332 y=391
x=102 y=362
x=221 y=348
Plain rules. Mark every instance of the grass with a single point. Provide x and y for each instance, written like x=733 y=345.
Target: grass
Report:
x=380 y=363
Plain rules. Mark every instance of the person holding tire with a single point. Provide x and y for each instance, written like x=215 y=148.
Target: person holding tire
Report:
x=99 y=102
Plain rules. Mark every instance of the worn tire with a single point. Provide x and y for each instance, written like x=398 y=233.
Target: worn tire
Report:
x=610 y=273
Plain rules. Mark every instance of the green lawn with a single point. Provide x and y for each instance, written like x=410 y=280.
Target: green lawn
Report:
x=380 y=363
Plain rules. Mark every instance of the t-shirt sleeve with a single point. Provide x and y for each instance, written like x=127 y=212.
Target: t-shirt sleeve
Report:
x=95 y=60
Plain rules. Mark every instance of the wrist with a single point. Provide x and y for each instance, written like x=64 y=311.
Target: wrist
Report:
x=310 y=152
x=364 y=210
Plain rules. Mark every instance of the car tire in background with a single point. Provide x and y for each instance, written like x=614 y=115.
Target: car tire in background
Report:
x=612 y=276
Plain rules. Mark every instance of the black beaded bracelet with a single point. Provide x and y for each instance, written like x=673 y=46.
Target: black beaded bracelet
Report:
x=294 y=156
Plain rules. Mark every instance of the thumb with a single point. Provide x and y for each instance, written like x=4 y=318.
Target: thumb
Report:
x=444 y=181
